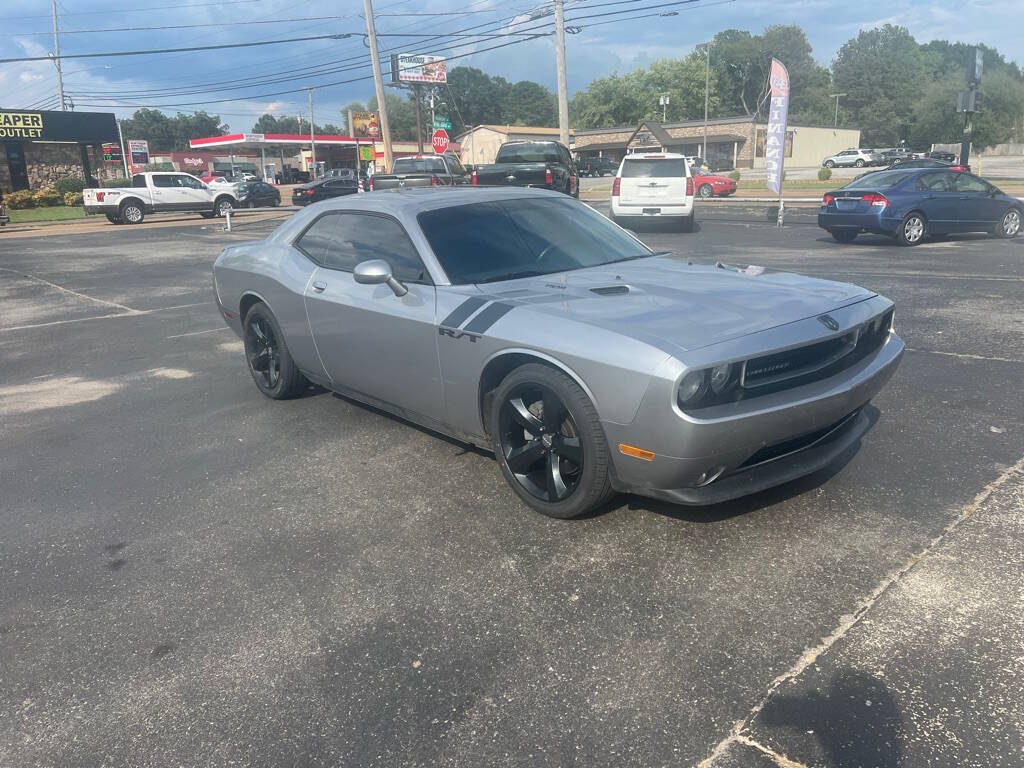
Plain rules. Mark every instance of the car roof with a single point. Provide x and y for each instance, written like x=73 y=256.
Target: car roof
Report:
x=655 y=156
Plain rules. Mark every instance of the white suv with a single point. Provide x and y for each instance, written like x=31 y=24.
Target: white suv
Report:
x=653 y=185
x=854 y=157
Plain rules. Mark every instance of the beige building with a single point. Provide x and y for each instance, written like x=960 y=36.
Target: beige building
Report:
x=480 y=144
x=732 y=142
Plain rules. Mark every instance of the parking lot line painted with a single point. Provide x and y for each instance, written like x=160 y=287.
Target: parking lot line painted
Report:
x=132 y=313
x=198 y=333
x=67 y=290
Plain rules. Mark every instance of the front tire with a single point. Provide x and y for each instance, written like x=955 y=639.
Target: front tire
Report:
x=548 y=441
x=223 y=205
x=912 y=229
x=843 y=235
x=270 y=362
x=829 y=164
x=1009 y=225
x=705 y=191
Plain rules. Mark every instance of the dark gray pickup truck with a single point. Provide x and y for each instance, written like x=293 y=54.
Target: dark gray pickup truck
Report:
x=546 y=164
x=422 y=171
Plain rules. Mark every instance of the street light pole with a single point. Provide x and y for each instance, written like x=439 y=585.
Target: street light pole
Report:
x=378 y=83
x=707 y=83
x=563 y=95
x=836 y=97
x=56 y=58
x=312 y=139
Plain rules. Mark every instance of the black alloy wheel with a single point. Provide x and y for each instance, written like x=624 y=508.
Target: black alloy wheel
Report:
x=263 y=353
x=540 y=443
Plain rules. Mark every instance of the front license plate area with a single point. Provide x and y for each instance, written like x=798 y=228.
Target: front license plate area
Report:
x=652 y=211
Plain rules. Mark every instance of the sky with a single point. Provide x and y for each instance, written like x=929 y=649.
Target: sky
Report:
x=172 y=81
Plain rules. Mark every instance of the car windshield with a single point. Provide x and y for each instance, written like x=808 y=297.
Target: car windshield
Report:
x=418 y=165
x=528 y=153
x=653 y=169
x=507 y=239
x=879 y=180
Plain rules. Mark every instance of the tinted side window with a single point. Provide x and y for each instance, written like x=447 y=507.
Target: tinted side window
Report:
x=138 y=180
x=163 y=181
x=318 y=239
x=360 y=236
x=454 y=165
x=935 y=182
x=964 y=182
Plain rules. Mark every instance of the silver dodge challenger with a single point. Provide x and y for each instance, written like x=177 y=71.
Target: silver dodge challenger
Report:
x=526 y=323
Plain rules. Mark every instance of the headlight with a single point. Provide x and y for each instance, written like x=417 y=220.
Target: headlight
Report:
x=720 y=376
x=692 y=386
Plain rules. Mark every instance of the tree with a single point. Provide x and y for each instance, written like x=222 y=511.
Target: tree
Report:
x=168 y=134
x=936 y=120
x=478 y=97
x=529 y=103
x=882 y=73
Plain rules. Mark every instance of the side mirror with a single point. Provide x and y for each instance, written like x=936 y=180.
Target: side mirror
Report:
x=375 y=272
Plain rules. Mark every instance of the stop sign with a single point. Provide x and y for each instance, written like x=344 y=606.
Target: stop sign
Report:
x=439 y=141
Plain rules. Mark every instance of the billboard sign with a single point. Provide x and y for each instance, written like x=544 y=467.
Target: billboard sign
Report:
x=418 y=68
x=366 y=154
x=364 y=125
x=775 y=139
x=138 y=149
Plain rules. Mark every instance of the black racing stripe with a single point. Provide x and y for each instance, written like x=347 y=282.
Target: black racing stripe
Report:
x=488 y=317
x=463 y=311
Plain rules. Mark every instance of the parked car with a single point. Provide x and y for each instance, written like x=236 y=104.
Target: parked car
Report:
x=896 y=155
x=850 y=157
x=258 y=194
x=910 y=204
x=946 y=157
x=324 y=189
x=156 y=192
x=920 y=163
x=422 y=171
x=596 y=166
x=546 y=164
x=713 y=186
x=289 y=175
x=526 y=323
x=653 y=185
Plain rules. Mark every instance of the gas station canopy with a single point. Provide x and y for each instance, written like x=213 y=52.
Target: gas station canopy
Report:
x=258 y=140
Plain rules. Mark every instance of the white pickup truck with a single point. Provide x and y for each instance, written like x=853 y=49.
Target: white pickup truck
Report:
x=157 y=192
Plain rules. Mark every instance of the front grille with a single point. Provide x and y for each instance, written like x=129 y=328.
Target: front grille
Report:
x=771 y=369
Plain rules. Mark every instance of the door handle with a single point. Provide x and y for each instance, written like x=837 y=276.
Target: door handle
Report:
x=319 y=286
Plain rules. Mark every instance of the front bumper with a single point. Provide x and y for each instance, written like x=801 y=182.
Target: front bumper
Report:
x=737 y=448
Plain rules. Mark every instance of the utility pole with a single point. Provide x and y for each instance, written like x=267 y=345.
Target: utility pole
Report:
x=663 y=102
x=836 y=97
x=419 y=118
x=378 y=83
x=312 y=139
x=707 y=85
x=56 y=58
x=563 y=95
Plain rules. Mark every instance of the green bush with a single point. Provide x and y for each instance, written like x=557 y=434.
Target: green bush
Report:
x=69 y=184
x=46 y=197
x=20 y=200
x=824 y=174
x=71 y=199
x=119 y=181
x=734 y=175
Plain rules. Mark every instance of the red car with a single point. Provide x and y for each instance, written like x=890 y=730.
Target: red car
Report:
x=713 y=186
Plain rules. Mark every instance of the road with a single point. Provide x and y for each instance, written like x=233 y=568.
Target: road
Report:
x=191 y=574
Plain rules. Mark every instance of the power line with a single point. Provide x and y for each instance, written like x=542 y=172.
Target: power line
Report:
x=184 y=26
x=173 y=50
x=132 y=9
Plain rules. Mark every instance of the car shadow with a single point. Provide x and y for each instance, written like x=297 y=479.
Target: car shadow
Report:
x=714 y=513
x=855 y=719
x=865 y=240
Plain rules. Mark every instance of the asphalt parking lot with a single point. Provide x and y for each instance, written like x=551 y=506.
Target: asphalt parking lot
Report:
x=191 y=574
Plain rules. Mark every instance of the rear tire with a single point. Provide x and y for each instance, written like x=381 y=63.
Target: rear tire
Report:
x=687 y=223
x=131 y=212
x=270 y=362
x=843 y=235
x=912 y=229
x=859 y=163
x=564 y=467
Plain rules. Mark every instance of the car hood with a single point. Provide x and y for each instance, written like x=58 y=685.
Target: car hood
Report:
x=670 y=302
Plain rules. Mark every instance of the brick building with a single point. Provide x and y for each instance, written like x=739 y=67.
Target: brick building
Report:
x=40 y=147
x=732 y=142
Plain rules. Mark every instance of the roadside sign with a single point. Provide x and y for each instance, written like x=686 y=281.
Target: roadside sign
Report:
x=418 y=68
x=442 y=122
x=112 y=153
x=439 y=141
x=138 y=150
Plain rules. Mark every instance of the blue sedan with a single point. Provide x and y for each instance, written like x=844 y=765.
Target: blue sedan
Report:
x=912 y=203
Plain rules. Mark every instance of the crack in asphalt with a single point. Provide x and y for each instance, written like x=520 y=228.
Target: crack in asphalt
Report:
x=849 y=621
